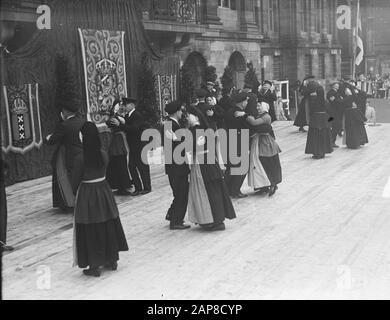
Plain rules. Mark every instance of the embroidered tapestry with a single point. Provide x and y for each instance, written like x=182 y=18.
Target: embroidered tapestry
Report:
x=20 y=119
x=104 y=71
x=165 y=86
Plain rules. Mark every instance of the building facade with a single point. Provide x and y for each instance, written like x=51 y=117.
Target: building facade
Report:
x=284 y=39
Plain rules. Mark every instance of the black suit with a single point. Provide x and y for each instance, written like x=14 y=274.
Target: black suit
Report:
x=133 y=127
x=67 y=133
x=234 y=182
x=178 y=179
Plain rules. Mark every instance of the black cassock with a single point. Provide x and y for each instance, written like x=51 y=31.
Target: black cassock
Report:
x=355 y=131
x=67 y=161
x=335 y=111
x=319 y=138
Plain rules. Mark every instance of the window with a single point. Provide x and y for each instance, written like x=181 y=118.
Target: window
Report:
x=304 y=16
x=227 y=4
x=308 y=65
x=318 y=15
x=277 y=68
x=334 y=65
x=273 y=15
x=332 y=19
x=321 y=66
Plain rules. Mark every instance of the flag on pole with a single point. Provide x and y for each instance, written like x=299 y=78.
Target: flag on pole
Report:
x=359 y=38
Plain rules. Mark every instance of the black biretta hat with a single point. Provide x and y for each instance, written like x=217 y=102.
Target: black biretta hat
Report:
x=173 y=107
x=127 y=100
x=239 y=97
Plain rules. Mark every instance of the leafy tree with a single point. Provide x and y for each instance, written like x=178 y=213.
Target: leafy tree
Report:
x=187 y=86
x=227 y=80
x=251 y=77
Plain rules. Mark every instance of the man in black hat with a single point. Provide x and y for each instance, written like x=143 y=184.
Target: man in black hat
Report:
x=210 y=89
x=133 y=127
x=177 y=173
x=251 y=107
x=234 y=182
x=67 y=161
x=301 y=118
x=335 y=110
x=200 y=97
x=267 y=94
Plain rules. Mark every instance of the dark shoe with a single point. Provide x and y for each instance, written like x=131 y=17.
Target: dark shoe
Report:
x=112 y=266
x=179 y=227
x=67 y=209
x=335 y=146
x=272 y=190
x=318 y=157
x=122 y=193
x=135 y=193
x=241 y=196
x=217 y=227
x=4 y=247
x=260 y=191
x=145 y=191
x=302 y=130
x=94 y=272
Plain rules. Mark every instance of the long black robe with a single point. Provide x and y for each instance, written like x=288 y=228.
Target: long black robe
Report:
x=319 y=138
x=355 y=131
x=216 y=190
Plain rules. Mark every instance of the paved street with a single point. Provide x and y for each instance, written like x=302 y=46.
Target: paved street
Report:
x=325 y=234
x=382 y=107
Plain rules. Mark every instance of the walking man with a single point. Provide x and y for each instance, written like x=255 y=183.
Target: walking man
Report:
x=133 y=127
x=177 y=173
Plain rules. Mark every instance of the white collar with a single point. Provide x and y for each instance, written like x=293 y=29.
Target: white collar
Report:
x=175 y=120
x=70 y=117
x=131 y=112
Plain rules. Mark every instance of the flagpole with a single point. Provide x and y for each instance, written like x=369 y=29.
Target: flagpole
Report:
x=355 y=38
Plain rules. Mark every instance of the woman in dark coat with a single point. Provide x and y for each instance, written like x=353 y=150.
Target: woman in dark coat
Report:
x=355 y=131
x=209 y=202
x=99 y=235
x=319 y=138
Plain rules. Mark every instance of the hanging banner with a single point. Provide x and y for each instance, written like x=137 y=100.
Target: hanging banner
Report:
x=165 y=87
x=20 y=119
x=104 y=71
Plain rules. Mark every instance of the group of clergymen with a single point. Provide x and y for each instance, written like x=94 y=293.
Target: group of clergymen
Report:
x=342 y=112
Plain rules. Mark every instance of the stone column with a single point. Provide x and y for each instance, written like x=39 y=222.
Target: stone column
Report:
x=209 y=12
x=246 y=14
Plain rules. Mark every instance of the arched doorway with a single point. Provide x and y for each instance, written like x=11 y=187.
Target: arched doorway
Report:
x=238 y=64
x=197 y=64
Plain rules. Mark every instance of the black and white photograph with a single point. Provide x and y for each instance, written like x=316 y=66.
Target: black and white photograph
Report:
x=193 y=150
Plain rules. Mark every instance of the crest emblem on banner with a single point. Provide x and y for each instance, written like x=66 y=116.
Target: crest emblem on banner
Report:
x=21 y=123
x=104 y=71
